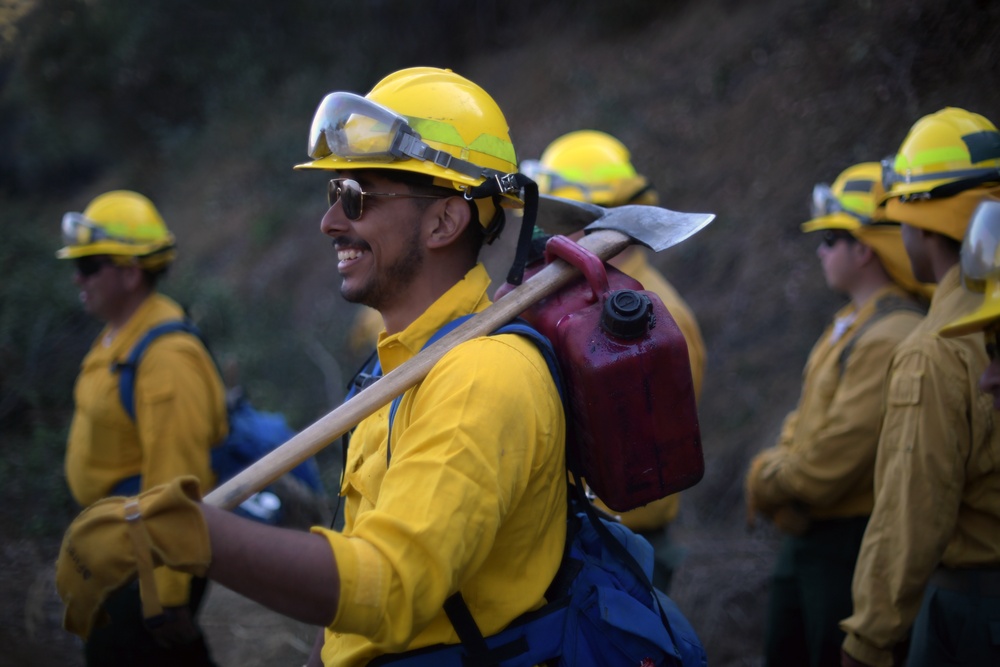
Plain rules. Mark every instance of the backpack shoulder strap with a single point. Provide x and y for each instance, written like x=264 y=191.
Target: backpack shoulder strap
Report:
x=885 y=305
x=127 y=369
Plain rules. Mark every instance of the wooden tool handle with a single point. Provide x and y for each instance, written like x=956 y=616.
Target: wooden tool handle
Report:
x=323 y=432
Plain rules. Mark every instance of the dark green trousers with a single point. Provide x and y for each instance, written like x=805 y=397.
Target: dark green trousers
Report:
x=811 y=594
x=959 y=621
x=125 y=642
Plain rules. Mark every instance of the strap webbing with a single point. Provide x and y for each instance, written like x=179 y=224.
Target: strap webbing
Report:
x=151 y=607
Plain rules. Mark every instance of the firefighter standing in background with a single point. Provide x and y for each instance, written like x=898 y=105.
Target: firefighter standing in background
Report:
x=121 y=248
x=815 y=484
x=594 y=167
x=930 y=557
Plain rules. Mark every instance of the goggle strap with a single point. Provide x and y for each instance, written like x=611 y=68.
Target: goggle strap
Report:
x=412 y=146
x=955 y=187
x=516 y=274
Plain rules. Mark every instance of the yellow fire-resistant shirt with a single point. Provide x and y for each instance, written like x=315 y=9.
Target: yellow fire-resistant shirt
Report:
x=180 y=412
x=474 y=498
x=661 y=512
x=937 y=478
x=825 y=457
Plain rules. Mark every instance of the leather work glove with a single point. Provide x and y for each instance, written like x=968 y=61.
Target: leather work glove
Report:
x=117 y=538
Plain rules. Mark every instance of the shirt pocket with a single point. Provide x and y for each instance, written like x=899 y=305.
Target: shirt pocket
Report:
x=900 y=427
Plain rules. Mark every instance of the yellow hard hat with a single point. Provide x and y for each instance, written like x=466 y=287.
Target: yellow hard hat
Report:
x=943 y=154
x=590 y=166
x=852 y=204
x=120 y=223
x=422 y=120
x=980 y=269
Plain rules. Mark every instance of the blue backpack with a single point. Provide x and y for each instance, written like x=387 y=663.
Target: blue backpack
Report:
x=252 y=433
x=602 y=608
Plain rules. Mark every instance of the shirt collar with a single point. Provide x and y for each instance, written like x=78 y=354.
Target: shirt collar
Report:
x=466 y=296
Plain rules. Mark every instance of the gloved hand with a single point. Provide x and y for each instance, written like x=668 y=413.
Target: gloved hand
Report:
x=117 y=538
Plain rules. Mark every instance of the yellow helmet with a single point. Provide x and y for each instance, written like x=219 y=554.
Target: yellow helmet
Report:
x=423 y=120
x=120 y=223
x=590 y=166
x=980 y=269
x=852 y=204
x=944 y=153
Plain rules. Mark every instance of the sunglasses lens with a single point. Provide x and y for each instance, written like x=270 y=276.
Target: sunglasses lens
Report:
x=88 y=266
x=831 y=236
x=349 y=194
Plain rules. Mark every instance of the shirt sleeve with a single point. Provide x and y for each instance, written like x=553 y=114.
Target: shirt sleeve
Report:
x=178 y=414
x=842 y=452
x=464 y=446
x=919 y=476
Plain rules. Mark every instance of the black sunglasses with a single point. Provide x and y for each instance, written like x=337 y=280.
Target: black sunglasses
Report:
x=88 y=266
x=831 y=236
x=352 y=198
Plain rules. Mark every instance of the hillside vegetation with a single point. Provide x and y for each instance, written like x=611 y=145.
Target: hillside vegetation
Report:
x=735 y=108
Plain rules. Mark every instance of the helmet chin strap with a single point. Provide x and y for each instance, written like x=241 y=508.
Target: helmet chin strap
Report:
x=498 y=184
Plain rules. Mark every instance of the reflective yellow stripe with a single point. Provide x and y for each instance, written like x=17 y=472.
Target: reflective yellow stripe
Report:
x=131 y=232
x=598 y=174
x=932 y=156
x=443 y=133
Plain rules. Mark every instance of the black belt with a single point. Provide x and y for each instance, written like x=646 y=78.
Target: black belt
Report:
x=984 y=582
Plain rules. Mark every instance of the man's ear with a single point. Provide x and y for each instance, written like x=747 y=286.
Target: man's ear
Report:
x=447 y=221
x=133 y=276
x=864 y=253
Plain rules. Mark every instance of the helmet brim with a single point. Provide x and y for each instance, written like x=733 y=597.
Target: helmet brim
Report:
x=458 y=180
x=987 y=313
x=833 y=221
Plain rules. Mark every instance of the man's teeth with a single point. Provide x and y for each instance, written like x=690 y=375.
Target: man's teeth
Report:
x=343 y=255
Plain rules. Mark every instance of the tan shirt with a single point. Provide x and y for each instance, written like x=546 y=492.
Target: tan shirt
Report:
x=825 y=457
x=937 y=478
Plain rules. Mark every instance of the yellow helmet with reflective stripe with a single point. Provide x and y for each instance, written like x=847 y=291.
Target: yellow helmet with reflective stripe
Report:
x=423 y=120
x=852 y=204
x=944 y=153
x=120 y=223
x=594 y=167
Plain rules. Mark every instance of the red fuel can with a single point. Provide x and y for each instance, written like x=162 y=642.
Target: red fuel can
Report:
x=633 y=424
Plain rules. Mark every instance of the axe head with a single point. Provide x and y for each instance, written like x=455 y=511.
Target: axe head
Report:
x=655 y=227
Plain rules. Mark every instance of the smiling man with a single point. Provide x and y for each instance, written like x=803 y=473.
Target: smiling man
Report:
x=464 y=491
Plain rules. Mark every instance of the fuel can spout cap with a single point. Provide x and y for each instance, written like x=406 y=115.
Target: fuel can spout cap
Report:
x=626 y=314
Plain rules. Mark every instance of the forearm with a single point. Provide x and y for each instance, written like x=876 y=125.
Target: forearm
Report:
x=289 y=571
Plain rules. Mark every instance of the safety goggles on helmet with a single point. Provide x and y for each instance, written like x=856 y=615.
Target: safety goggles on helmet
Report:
x=961 y=180
x=78 y=230
x=825 y=202
x=551 y=181
x=979 y=259
x=352 y=127
x=352 y=198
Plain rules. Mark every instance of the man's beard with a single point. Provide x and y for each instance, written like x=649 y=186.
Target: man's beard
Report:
x=382 y=289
